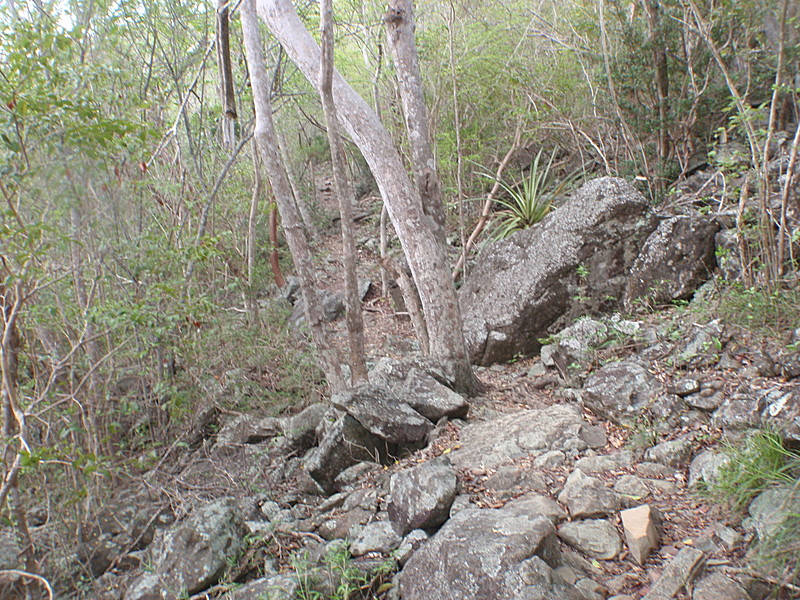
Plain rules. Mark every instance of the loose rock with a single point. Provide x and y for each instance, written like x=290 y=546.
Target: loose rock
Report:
x=422 y=496
x=641 y=533
x=595 y=537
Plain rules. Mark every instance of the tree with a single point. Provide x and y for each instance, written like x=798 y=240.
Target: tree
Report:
x=422 y=250
x=267 y=143
x=400 y=27
x=344 y=191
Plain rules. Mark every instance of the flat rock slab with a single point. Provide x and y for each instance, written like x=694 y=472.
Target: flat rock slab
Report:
x=595 y=537
x=678 y=573
x=487 y=554
x=529 y=433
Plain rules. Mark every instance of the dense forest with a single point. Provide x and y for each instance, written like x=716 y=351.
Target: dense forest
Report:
x=159 y=167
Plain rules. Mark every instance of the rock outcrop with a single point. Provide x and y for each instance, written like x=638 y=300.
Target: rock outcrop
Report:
x=575 y=262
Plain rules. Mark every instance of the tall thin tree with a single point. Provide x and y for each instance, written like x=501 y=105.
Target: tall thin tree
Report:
x=292 y=225
x=344 y=191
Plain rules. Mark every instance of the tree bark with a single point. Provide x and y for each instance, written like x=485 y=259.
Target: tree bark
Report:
x=423 y=252
x=400 y=27
x=344 y=191
x=227 y=94
x=653 y=11
x=295 y=234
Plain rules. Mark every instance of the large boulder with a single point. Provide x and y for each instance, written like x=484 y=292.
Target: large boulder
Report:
x=192 y=554
x=677 y=258
x=575 y=262
x=488 y=554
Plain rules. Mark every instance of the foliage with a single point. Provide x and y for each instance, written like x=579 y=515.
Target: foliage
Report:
x=529 y=202
x=754 y=464
x=339 y=577
x=760 y=309
x=757 y=462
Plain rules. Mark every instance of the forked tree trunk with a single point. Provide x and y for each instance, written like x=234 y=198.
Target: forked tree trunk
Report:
x=423 y=252
x=400 y=28
x=292 y=226
x=345 y=194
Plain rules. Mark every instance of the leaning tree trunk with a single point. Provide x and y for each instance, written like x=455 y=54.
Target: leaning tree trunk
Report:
x=424 y=254
x=344 y=191
x=293 y=229
x=400 y=28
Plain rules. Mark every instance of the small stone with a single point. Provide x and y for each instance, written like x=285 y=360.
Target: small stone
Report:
x=590 y=589
x=632 y=487
x=651 y=469
x=684 y=387
x=605 y=462
x=730 y=538
x=350 y=476
x=422 y=496
x=705 y=402
x=566 y=573
x=705 y=468
x=587 y=496
x=409 y=545
x=327 y=505
x=595 y=537
x=549 y=460
x=537 y=370
x=640 y=530
x=378 y=536
x=461 y=502
x=509 y=477
x=539 y=505
x=674 y=453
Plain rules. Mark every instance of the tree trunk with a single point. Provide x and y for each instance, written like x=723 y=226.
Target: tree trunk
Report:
x=227 y=94
x=423 y=252
x=344 y=191
x=295 y=234
x=400 y=28
x=653 y=11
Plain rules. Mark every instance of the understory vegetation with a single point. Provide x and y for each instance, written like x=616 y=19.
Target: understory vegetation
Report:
x=141 y=263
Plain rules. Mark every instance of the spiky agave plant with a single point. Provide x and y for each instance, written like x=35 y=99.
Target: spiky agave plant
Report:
x=528 y=202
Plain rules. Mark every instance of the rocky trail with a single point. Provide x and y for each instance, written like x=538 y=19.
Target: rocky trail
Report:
x=575 y=474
